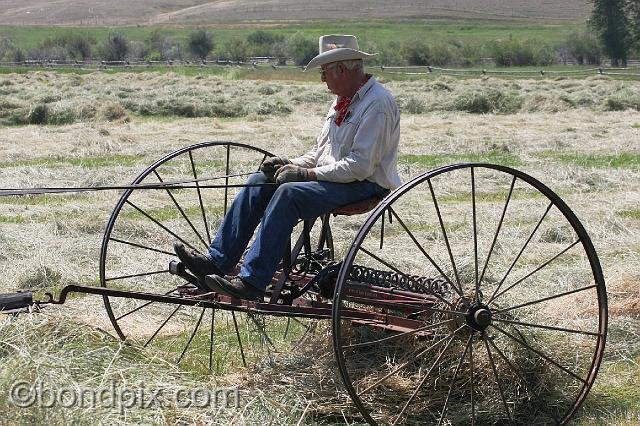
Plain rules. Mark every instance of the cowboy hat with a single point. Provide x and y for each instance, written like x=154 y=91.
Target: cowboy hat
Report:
x=334 y=48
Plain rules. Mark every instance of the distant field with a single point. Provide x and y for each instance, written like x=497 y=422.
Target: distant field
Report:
x=370 y=33
x=145 y=12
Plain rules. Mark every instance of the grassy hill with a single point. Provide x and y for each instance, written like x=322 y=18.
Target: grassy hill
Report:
x=184 y=12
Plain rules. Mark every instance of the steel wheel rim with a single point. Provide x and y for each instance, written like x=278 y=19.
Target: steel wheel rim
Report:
x=374 y=218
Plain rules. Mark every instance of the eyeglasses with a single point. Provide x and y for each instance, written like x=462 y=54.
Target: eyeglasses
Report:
x=324 y=71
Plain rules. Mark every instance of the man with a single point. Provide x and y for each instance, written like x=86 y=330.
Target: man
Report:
x=354 y=159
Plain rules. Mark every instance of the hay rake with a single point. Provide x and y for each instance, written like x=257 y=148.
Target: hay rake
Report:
x=471 y=294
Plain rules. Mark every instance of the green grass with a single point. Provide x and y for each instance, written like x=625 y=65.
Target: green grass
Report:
x=89 y=162
x=369 y=32
x=11 y=219
x=630 y=214
x=437 y=160
x=614 y=161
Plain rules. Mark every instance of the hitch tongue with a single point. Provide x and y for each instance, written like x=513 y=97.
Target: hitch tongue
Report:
x=16 y=302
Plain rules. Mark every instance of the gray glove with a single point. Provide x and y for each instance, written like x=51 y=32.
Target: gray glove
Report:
x=291 y=173
x=271 y=165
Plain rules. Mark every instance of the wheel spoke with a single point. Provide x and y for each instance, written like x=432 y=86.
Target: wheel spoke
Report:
x=424 y=252
x=141 y=306
x=521 y=251
x=540 y=354
x=547 y=327
x=495 y=375
x=226 y=181
x=162 y=326
x=129 y=243
x=453 y=380
x=473 y=401
x=195 y=177
x=142 y=274
x=444 y=234
x=499 y=227
x=545 y=299
x=148 y=216
x=193 y=333
x=535 y=270
x=181 y=210
x=475 y=234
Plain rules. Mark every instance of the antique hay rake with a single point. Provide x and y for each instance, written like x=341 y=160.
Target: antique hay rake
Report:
x=471 y=294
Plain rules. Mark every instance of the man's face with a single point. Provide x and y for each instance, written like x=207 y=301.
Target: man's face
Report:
x=331 y=75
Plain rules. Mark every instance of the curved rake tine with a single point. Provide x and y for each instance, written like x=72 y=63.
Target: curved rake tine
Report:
x=500 y=222
x=193 y=333
x=397 y=336
x=390 y=266
x=162 y=326
x=540 y=354
x=475 y=233
x=261 y=329
x=195 y=176
x=520 y=253
x=424 y=379
x=148 y=216
x=453 y=380
x=424 y=252
x=418 y=353
x=444 y=234
x=235 y=325
x=184 y=215
x=537 y=269
x=495 y=374
x=213 y=316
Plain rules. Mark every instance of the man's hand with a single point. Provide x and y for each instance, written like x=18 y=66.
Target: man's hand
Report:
x=271 y=165
x=291 y=173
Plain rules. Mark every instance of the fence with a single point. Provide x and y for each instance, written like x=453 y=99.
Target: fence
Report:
x=632 y=70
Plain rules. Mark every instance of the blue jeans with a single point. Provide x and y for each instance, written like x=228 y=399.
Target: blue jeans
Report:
x=280 y=207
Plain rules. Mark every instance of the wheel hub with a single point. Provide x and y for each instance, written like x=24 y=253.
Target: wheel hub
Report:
x=478 y=316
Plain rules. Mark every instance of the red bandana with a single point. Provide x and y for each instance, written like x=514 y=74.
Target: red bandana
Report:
x=343 y=104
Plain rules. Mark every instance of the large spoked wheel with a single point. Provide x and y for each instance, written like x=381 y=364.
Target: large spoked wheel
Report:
x=498 y=312
x=137 y=249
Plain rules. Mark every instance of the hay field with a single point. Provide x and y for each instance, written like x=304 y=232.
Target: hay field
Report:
x=580 y=137
x=71 y=12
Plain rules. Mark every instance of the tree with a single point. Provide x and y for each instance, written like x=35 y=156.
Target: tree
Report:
x=610 y=21
x=301 y=49
x=633 y=12
x=200 y=43
x=115 y=48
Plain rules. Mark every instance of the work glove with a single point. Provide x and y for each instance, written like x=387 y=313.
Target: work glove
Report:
x=291 y=173
x=271 y=165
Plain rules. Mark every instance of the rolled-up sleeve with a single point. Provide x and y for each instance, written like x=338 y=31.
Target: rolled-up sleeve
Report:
x=369 y=143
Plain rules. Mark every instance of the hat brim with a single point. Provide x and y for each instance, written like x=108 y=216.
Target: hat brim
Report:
x=335 y=55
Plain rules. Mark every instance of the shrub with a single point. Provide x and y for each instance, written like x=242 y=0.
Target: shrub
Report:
x=301 y=49
x=115 y=48
x=262 y=43
x=418 y=52
x=200 y=43
x=38 y=114
x=9 y=52
x=236 y=49
x=584 y=48
x=513 y=52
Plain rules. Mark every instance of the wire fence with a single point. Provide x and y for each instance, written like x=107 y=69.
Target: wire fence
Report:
x=632 y=70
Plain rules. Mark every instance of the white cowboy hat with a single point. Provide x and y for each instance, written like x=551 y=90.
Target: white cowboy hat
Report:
x=334 y=48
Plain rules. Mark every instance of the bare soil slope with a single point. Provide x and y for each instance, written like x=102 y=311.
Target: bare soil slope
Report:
x=126 y=12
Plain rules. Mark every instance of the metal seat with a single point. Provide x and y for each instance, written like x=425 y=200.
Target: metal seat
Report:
x=359 y=207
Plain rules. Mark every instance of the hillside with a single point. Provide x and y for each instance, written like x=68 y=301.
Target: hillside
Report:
x=144 y=12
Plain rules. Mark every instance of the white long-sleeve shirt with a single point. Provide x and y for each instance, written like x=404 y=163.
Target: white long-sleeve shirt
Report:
x=364 y=146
